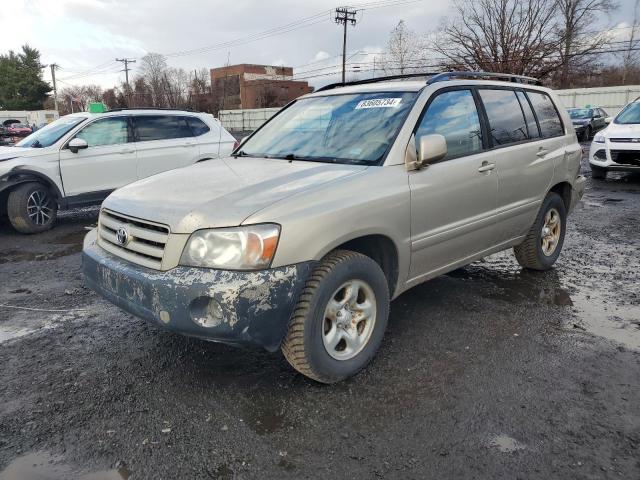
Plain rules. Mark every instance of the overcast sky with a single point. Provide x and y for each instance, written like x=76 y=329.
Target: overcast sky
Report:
x=85 y=36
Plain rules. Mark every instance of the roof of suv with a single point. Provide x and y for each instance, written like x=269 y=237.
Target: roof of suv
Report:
x=133 y=111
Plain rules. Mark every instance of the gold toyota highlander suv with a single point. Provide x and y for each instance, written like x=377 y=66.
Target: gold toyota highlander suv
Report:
x=342 y=201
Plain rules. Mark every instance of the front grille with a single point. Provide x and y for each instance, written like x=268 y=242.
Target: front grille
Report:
x=146 y=241
x=625 y=140
x=626 y=157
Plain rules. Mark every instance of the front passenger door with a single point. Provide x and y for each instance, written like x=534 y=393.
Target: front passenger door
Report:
x=109 y=161
x=452 y=200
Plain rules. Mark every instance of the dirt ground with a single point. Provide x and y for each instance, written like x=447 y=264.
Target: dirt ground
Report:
x=488 y=372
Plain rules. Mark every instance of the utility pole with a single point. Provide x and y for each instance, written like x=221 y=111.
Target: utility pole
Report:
x=345 y=16
x=55 y=89
x=126 y=62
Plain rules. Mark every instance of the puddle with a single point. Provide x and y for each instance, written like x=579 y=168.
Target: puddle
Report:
x=72 y=238
x=506 y=444
x=44 y=466
x=264 y=418
x=598 y=308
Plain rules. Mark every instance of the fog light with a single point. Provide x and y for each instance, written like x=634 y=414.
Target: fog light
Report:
x=206 y=312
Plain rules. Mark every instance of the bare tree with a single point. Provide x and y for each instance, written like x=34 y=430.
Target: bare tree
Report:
x=404 y=50
x=630 y=59
x=509 y=36
x=575 y=38
x=153 y=68
x=76 y=98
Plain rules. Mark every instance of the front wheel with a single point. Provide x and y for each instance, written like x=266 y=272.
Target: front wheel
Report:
x=31 y=208
x=340 y=318
x=542 y=245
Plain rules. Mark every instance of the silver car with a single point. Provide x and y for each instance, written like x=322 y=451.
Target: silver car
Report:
x=345 y=199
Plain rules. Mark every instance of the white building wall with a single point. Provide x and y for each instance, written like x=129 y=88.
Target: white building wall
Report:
x=246 y=119
x=611 y=99
x=38 y=117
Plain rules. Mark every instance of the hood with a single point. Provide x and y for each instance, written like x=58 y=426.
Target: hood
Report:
x=220 y=193
x=623 y=131
x=7 y=153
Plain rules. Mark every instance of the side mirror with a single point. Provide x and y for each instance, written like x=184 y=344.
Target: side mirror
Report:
x=77 y=144
x=608 y=120
x=431 y=148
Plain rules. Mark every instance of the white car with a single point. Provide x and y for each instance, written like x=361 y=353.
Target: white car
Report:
x=617 y=147
x=79 y=159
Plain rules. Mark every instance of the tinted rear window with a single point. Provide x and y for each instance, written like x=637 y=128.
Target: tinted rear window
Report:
x=506 y=121
x=198 y=127
x=548 y=118
x=532 y=126
x=161 y=127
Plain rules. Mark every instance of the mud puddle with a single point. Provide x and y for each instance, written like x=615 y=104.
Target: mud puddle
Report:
x=598 y=311
x=45 y=466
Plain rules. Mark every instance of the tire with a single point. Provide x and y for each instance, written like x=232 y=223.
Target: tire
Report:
x=310 y=346
x=598 y=173
x=536 y=252
x=586 y=135
x=34 y=198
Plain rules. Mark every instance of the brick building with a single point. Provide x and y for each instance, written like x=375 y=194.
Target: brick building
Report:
x=255 y=86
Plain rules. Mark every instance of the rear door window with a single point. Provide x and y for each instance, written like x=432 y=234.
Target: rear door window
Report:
x=453 y=114
x=506 y=120
x=106 y=131
x=548 y=117
x=161 y=127
x=198 y=127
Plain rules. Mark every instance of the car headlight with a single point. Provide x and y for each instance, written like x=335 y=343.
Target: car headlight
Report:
x=598 y=139
x=240 y=248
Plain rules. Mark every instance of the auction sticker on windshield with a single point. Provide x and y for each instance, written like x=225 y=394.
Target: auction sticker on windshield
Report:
x=379 y=103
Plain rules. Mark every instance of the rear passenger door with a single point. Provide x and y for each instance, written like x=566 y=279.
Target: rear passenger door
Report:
x=454 y=199
x=526 y=139
x=163 y=142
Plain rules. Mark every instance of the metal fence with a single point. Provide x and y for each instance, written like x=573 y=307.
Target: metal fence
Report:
x=245 y=120
x=611 y=99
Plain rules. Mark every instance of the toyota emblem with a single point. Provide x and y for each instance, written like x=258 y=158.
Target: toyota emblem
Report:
x=122 y=236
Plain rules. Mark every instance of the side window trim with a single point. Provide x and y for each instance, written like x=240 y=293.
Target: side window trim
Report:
x=533 y=112
x=483 y=128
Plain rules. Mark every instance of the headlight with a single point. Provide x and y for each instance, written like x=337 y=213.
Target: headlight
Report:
x=598 y=139
x=239 y=248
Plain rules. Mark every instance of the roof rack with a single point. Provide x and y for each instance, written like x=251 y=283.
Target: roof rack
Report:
x=438 y=77
x=152 y=108
x=331 y=86
x=509 y=77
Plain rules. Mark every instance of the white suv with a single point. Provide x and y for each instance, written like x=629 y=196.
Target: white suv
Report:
x=81 y=158
x=617 y=148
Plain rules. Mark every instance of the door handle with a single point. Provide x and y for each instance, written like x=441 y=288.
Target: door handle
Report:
x=486 y=167
x=542 y=152
x=189 y=144
x=127 y=150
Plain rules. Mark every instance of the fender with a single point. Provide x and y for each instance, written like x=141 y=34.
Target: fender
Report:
x=19 y=175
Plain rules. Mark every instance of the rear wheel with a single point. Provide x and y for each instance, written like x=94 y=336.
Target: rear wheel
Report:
x=542 y=245
x=340 y=318
x=32 y=208
x=598 y=173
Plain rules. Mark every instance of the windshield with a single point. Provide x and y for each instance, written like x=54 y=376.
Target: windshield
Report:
x=630 y=114
x=580 y=113
x=355 y=128
x=47 y=136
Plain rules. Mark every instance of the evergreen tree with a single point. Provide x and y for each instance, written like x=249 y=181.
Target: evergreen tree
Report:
x=21 y=84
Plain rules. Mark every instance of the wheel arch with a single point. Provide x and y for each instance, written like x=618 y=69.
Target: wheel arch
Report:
x=18 y=176
x=564 y=189
x=381 y=249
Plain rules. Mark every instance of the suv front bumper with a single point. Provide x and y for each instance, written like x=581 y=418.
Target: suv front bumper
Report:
x=250 y=307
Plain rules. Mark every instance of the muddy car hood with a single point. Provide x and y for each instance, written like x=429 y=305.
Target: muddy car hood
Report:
x=220 y=193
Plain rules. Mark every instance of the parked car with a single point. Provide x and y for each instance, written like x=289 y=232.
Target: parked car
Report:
x=587 y=121
x=18 y=130
x=80 y=158
x=617 y=148
x=342 y=201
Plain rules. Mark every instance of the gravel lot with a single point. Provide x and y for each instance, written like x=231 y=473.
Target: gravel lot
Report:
x=488 y=372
